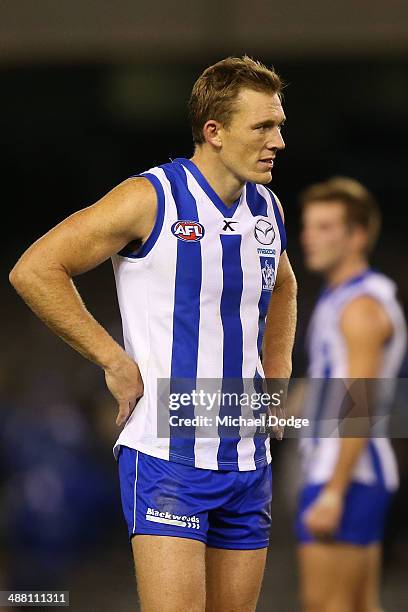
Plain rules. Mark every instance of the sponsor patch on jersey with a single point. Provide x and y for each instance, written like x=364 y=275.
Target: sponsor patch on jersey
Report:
x=188 y=231
x=266 y=251
x=268 y=273
x=264 y=232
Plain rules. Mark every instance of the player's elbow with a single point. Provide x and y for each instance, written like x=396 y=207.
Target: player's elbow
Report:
x=35 y=270
x=20 y=275
x=28 y=273
x=16 y=275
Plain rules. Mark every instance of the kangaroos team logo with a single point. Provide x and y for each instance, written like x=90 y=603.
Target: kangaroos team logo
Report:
x=264 y=232
x=189 y=231
x=268 y=274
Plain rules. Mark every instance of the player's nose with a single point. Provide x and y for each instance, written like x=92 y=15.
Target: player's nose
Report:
x=276 y=143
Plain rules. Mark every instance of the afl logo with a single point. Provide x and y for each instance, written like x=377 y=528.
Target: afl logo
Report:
x=189 y=231
x=264 y=232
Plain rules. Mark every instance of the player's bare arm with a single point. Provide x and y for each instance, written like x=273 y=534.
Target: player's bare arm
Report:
x=43 y=278
x=279 y=337
x=280 y=323
x=281 y=320
x=365 y=328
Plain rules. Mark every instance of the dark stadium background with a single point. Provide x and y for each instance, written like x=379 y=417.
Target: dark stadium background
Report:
x=93 y=94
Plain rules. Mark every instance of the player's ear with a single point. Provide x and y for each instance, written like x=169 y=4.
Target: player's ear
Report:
x=211 y=132
x=360 y=238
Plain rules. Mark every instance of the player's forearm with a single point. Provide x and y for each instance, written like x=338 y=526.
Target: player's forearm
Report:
x=52 y=296
x=280 y=331
x=350 y=452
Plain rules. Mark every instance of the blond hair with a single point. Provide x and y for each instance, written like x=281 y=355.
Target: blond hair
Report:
x=215 y=91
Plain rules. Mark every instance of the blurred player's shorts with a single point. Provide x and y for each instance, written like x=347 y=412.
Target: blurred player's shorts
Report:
x=364 y=514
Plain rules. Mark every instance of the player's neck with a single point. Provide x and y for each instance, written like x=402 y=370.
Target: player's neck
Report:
x=225 y=185
x=346 y=271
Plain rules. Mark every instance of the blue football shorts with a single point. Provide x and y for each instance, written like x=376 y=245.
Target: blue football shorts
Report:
x=364 y=514
x=223 y=509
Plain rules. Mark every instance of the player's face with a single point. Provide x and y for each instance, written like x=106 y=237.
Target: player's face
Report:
x=326 y=238
x=253 y=137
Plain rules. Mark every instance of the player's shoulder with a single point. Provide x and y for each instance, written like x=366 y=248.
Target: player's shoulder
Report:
x=135 y=194
x=137 y=184
x=364 y=317
x=380 y=283
x=371 y=283
x=127 y=209
x=277 y=201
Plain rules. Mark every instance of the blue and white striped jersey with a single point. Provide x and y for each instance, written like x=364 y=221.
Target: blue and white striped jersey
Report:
x=328 y=359
x=193 y=303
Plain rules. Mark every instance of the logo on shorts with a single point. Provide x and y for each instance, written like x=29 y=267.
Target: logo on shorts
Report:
x=188 y=231
x=168 y=518
x=264 y=232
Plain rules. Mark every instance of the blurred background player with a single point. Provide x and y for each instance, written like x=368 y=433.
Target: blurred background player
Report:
x=357 y=330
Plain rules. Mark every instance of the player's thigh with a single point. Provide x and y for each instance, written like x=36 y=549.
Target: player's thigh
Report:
x=330 y=576
x=234 y=579
x=170 y=573
x=369 y=594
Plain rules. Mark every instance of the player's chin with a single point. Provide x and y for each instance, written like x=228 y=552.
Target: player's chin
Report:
x=263 y=177
x=314 y=265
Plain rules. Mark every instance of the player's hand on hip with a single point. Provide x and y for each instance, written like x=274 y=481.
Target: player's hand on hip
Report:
x=126 y=385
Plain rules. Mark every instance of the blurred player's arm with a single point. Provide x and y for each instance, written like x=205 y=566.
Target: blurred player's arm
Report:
x=43 y=278
x=365 y=328
x=280 y=324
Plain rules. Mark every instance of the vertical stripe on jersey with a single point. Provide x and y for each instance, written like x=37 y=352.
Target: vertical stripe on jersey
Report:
x=257 y=204
x=232 y=354
x=252 y=287
x=211 y=336
x=263 y=305
x=376 y=463
x=325 y=386
x=128 y=250
x=252 y=443
x=279 y=221
x=186 y=317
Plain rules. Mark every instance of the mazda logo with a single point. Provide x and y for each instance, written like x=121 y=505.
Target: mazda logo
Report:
x=264 y=232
